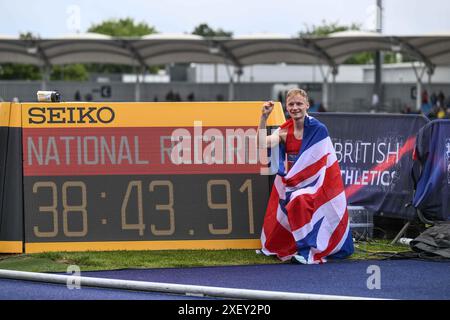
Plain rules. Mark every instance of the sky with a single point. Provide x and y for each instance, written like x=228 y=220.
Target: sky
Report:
x=49 y=18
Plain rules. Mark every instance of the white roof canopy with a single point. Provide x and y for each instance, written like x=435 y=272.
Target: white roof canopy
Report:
x=158 y=49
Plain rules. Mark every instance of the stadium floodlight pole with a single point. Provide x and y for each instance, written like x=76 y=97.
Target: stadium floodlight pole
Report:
x=379 y=58
x=379 y=16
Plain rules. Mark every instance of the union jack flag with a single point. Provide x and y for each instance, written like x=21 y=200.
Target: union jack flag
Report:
x=307 y=217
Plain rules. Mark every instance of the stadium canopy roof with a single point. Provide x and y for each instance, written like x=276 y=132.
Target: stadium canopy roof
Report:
x=158 y=49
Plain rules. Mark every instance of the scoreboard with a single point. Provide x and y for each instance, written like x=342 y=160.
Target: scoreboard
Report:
x=142 y=176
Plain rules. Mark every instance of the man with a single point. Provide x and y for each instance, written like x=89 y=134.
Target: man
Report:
x=306 y=218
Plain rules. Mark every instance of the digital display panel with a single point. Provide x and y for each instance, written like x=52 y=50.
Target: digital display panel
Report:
x=136 y=176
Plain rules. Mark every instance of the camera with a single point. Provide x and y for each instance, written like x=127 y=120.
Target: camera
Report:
x=48 y=96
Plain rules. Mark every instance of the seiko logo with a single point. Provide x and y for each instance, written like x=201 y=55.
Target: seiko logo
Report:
x=39 y=115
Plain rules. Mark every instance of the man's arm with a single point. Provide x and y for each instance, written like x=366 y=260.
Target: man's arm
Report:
x=264 y=140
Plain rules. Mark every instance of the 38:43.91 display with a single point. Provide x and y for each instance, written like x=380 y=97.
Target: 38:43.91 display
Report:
x=96 y=209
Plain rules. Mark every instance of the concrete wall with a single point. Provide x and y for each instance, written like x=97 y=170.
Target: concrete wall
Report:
x=26 y=91
x=344 y=97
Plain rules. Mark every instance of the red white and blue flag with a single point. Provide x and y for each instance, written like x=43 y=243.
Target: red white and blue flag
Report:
x=307 y=215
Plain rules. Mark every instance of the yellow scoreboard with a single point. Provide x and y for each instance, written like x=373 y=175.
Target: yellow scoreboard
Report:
x=140 y=176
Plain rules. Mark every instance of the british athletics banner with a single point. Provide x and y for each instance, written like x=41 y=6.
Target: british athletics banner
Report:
x=374 y=152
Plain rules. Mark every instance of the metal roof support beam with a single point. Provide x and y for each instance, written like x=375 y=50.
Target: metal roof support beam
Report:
x=416 y=52
x=46 y=70
x=228 y=56
x=321 y=52
x=429 y=67
x=140 y=70
x=45 y=76
x=46 y=67
x=418 y=86
x=325 y=93
x=137 y=86
x=333 y=90
x=333 y=67
x=231 y=91
x=230 y=83
x=325 y=85
x=134 y=53
x=140 y=73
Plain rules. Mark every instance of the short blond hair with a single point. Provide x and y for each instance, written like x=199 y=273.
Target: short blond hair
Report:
x=297 y=91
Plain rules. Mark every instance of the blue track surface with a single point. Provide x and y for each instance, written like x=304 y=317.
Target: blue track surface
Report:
x=400 y=279
x=27 y=290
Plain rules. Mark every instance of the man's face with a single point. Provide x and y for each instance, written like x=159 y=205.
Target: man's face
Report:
x=297 y=106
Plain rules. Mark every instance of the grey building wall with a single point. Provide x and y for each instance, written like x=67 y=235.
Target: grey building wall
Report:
x=344 y=97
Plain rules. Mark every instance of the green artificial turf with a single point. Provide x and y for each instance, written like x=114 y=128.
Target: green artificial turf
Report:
x=110 y=260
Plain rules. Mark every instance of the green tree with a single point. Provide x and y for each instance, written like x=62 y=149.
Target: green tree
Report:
x=13 y=71
x=71 y=72
x=327 y=28
x=126 y=27
x=122 y=28
x=205 y=30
